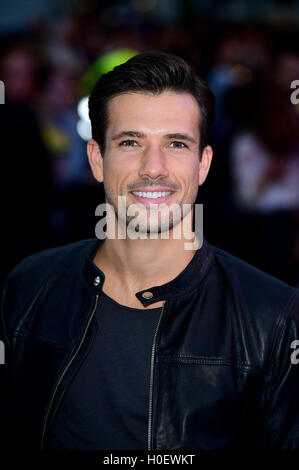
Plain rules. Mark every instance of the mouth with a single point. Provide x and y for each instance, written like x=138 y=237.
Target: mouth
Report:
x=152 y=197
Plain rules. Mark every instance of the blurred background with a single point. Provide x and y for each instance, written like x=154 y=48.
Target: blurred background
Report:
x=51 y=54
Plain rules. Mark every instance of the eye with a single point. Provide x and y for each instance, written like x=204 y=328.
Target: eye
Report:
x=128 y=143
x=178 y=145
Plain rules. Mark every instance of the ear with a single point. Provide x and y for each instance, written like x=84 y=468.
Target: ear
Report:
x=205 y=163
x=95 y=160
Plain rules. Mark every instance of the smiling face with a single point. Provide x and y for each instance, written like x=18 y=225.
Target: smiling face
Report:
x=152 y=151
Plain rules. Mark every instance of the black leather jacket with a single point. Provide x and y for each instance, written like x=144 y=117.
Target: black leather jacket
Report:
x=221 y=369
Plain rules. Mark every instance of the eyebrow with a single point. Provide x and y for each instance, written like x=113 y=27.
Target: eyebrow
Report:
x=122 y=134
x=140 y=135
x=180 y=136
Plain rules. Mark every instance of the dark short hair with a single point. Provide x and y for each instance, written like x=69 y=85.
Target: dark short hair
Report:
x=154 y=73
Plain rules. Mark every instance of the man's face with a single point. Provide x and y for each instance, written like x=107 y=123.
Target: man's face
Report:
x=152 y=152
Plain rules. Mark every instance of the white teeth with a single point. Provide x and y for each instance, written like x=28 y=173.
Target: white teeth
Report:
x=151 y=195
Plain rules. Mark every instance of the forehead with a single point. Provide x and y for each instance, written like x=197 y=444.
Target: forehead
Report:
x=164 y=113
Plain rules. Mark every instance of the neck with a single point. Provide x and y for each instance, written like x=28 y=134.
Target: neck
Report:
x=141 y=263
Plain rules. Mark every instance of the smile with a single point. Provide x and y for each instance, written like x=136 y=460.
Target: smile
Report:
x=151 y=195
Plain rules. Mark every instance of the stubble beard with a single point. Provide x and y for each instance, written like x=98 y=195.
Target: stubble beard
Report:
x=165 y=221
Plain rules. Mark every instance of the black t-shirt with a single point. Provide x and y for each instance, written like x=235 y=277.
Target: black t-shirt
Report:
x=106 y=405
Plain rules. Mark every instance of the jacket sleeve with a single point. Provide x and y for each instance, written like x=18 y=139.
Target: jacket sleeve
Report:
x=4 y=370
x=280 y=412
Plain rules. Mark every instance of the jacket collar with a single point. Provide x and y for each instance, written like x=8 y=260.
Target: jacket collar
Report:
x=187 y=280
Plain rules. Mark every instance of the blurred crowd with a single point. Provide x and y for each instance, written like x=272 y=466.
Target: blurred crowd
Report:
x=251 y=197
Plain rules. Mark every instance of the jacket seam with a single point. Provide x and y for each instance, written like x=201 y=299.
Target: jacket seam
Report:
x=278 y=337
x=177 y=296
x=40 y=290
x=209 y=361
x=20 y=332
x=203 y=272
x=41 y=339
x=265 y=398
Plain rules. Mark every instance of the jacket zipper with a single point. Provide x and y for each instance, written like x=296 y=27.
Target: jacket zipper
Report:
x=150 y=410
x=66 y=369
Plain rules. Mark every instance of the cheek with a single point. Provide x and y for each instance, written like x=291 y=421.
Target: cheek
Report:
x=111 y=171
x=120 y=164
x=117 y=175
x=188 y=178
x=188 y=171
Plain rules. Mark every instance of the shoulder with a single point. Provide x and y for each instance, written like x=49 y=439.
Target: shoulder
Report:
x=36 y=274
x=54 y=257
x=37 y=268
x=253 y=288
x=261 y=309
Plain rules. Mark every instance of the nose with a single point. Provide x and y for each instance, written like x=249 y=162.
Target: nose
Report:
x=153 y=163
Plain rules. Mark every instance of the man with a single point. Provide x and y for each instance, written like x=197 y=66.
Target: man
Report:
x=137 y=342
